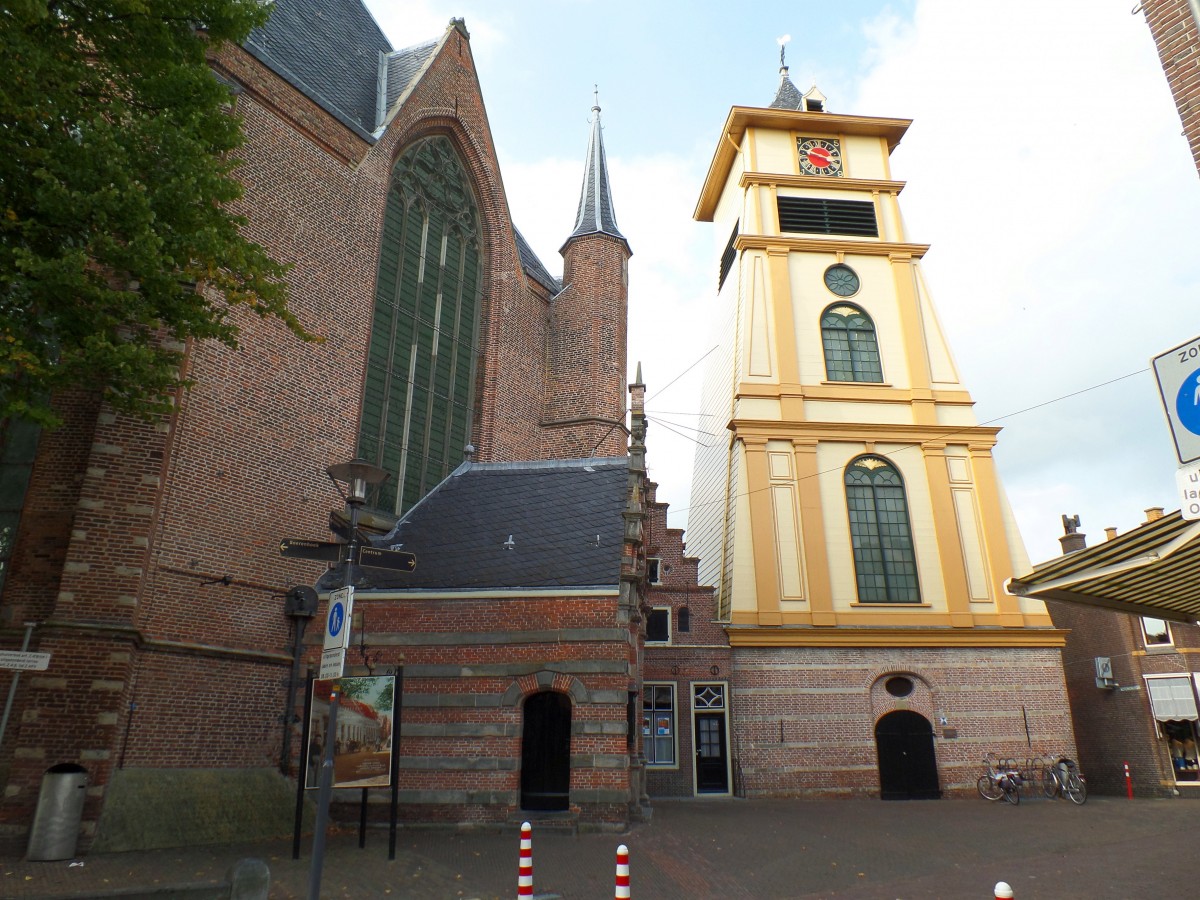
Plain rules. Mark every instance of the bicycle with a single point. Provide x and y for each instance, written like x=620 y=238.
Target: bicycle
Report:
x=1063 y=779
x=1001 y=780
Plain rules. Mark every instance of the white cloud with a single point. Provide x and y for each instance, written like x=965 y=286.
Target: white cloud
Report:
x=1046 y=169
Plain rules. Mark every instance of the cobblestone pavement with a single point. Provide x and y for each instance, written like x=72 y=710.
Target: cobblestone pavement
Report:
x=699 y=849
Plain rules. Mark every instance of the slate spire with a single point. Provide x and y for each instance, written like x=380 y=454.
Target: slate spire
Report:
x=595 y=214
x=788 y=96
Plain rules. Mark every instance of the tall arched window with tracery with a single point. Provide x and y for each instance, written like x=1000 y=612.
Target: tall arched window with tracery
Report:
x=851 y=351
x=884 y=559
x=418 y=397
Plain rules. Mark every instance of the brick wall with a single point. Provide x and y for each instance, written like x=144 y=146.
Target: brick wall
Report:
x=468 y=667
x=1175 y=33
x=131 y=527
x=699 y=655
x=804 y=717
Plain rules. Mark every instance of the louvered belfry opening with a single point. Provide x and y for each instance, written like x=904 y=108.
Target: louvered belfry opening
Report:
x=816 y=215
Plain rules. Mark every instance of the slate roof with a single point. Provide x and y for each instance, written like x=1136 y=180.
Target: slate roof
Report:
x=595 y=214
x=788 y=96
x=402 y=68
x=564 y=518
x=328 y=49
x=533 y=266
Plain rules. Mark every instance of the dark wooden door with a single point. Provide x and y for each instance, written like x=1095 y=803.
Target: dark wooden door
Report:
x=546 y=752
x=907 y=762
x=712 y=765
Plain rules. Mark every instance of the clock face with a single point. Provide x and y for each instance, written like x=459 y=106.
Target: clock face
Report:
x=820 y=156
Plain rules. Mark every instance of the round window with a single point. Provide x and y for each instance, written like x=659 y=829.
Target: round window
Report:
x=898 y=686
x=842 y=280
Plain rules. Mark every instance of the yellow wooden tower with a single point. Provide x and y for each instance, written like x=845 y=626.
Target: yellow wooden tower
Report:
x=852 y=517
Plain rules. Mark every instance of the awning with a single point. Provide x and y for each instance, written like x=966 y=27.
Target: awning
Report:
x=1153 y=570
x=1172 y=698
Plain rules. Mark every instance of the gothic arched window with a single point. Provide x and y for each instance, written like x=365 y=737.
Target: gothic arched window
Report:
x=884 y=558
x=851 y=351
x=418 y=397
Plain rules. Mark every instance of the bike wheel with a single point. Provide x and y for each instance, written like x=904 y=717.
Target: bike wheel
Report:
x=1076 y=788
x=1049 y=782
x=988 y=788
x=1012 y=793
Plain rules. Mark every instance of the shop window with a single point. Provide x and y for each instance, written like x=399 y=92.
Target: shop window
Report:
x=658 y=724
x=1181 y=740
x=658 y=626
x=1156 y=632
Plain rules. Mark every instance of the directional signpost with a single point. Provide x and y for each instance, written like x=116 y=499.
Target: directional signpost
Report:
x=1178 y=374
x=378 y=558
x=298 y=548
x=337 y=632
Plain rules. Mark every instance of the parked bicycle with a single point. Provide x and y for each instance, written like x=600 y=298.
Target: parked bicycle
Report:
x=1063 y=779
x=1001 y=780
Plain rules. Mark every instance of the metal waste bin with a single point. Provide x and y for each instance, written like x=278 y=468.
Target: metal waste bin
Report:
x=55 y=829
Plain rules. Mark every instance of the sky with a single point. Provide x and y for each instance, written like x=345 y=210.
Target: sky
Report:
x=1045 y=166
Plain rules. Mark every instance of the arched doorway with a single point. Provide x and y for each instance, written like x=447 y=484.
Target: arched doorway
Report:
x=546 y=752
x=907 y=763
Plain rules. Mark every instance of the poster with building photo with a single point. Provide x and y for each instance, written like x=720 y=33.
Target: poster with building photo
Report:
x=362 y=748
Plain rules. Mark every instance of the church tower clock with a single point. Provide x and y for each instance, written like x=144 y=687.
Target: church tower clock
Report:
x=852 y=517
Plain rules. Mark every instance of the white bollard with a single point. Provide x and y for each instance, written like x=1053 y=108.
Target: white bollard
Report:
x=1003 y=891
x=525 y=868
x=622 y=885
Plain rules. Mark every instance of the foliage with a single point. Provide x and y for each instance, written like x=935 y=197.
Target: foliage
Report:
x=116 y=174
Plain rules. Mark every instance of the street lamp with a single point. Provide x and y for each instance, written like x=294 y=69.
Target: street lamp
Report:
x=356 y=474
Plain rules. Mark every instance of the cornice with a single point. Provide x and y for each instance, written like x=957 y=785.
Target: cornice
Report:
x=776 y=636
x=760 y=179
x=878 y=432
x=850 y=393
x=863 y=247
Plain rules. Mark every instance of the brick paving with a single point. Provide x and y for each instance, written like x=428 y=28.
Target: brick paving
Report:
x=698 y=849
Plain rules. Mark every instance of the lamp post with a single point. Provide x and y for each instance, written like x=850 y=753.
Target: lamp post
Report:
x=356 y=475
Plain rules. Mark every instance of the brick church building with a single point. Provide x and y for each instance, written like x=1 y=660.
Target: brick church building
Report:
x=146 y=555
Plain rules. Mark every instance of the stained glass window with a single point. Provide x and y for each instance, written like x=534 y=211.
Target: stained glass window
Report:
x=418 y=398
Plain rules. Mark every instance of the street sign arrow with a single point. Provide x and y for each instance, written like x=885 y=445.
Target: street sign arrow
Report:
x=298 y=548
x=375 y=558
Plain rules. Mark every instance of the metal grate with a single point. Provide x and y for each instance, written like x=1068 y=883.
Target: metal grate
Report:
x=819 y=216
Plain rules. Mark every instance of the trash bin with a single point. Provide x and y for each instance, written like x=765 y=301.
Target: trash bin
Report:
x=55 y=829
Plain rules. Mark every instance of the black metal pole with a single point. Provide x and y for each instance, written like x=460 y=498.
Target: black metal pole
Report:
x=318 y=851
x=322 y=823
x=289 y=715
x=397 y=706
x=302 y=775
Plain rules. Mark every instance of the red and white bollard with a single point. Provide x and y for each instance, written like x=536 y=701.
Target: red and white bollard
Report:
x=622 y=873
x=525 y=868
x=1003 y=891
x=1128 y=782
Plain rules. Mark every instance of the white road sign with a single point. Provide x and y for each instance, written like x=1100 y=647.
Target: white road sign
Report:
x=23 y=659
x=1178 y=374
x=337 y=632
x=1187 y=480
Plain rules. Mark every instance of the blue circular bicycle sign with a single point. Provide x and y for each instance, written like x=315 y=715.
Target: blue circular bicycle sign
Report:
x=1178 y=374
x=337 y=618
x=1187 y=402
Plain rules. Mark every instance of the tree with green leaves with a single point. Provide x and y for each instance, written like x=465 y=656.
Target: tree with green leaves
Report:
x=117 y=168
